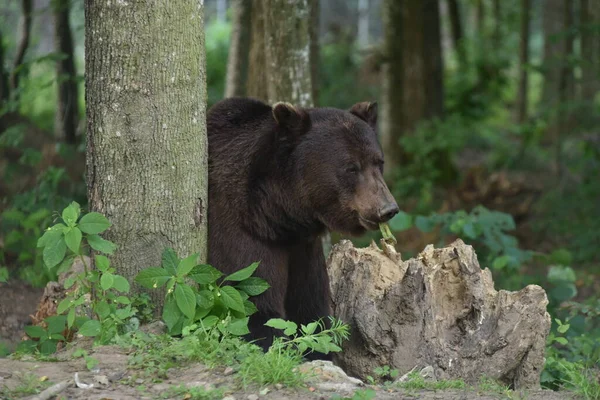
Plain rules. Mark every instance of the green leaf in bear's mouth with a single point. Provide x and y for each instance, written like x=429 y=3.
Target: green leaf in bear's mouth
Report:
x=387 y=233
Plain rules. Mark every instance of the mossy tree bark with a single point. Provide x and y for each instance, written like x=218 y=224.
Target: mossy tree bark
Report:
x=147 y=146
x=67 y=111
x=239 y=49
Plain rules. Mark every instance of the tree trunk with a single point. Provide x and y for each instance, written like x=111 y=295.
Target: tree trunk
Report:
x=287 y=39
x=257 y=74
x=590 y=51
x=26 y=8
x=497 y=25
x=480 y=18
x=4 y=88
x=67 y=110
x=363 y=23
x=413 y=72
x=392 y=85
x=239 y=49
x=523 y=61
x=147 y=145
x=554 y=48
x=457 y=30
x=314 y=48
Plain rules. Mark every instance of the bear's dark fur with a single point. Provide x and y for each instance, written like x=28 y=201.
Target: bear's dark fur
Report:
x=278 y=178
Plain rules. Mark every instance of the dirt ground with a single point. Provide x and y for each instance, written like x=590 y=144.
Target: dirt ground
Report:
x=113 y=380
x=17 y=301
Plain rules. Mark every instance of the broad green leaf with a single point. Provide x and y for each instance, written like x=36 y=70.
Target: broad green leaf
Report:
x=99 y=244
x=107 y=280
x=64 y=305
x=73 y=239
x=210 y=321
x=238 y=327
x=186 y=265
x=48 y=347
x=122 y=299
x=91 y=328
x=56 y=323
x=186 y=300
x=231 y=298
x=57 y=336
x=562 y=341
x=152 y=278
x=171 y=313
x=277 y=323
x=71 y=213
x=500 y=262
x=310 y=328
x=102 y=309
x=34 y=331
x=170 y=261
x=93 y=223
x=204 y=274
x=123 y=313
x=51 y=235
x=242 y=274
x=401 y=222
x=65 y=265
x=424 y=224
x=249 y=307
x=102 y=263
x=291 y=329
x=54 y=253
x=205 y=299
x=253 y=286
x=469 y=230
x=121 y=284
x=563 y=328
x=71 y=317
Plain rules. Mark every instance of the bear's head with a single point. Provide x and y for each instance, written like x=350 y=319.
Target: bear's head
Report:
x=338 y=164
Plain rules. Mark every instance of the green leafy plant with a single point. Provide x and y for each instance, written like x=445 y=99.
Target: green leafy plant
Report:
x=47 y=338
x=210 y=304
x=100 y=289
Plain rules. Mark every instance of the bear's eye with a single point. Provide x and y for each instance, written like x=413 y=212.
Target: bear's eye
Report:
x=352 y=169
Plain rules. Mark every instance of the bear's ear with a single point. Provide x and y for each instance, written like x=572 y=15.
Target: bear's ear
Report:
x=366 y=111
x=290 y=118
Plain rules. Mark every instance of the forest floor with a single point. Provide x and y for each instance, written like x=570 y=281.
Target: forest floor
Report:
x=113 y=380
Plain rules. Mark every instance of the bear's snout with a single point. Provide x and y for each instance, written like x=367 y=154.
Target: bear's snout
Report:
x=387 y=212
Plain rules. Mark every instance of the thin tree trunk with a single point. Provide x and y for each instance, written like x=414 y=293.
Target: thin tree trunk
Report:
x=457 y=30
x=26 y=8
x=147 y=145
x=566 y=87
x=314 y=48
x=257 y=75
x=287 y=39
x=554 y=48
x=67 y=110
x=523 y=61
x=590 y=51
x=497 y=25
x=480 y=18
x=363 y=23
x=4 y=88
x=392 y=85
x=412 y=72
x=239 y=49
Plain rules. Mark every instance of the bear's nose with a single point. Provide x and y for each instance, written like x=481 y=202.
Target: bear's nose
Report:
x=386 y=212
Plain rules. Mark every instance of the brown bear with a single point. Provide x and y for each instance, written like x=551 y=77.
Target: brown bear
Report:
x=279 y=177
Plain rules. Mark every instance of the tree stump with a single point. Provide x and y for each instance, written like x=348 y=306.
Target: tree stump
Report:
x=439 y=309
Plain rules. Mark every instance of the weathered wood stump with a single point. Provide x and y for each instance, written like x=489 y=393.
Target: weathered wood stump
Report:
x=439 y=309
